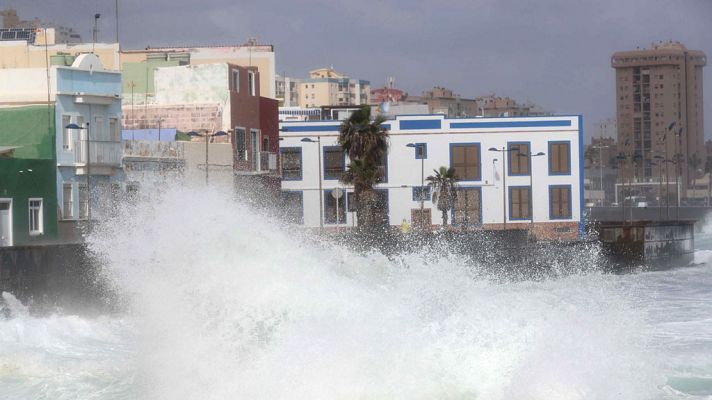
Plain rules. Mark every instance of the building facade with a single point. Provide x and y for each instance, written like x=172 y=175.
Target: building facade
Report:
x=287 y=91
x=327 y=87
x=249 y=54
x=86 y=133
x=659 y=110
x=494 y=186
x=28 y=202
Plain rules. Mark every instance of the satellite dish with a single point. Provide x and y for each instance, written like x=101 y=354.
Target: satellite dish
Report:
x=337 y=193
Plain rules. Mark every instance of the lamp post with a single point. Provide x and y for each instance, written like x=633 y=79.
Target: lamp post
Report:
x=531 y=185
x=207 y=136
x=420 y=148
x=321 y=199
x=88 y=166
x=504 y=150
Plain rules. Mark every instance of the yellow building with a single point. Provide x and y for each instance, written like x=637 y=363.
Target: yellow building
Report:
x=327 y=87
x=41 y=44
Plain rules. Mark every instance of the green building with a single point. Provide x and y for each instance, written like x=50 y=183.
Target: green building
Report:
x=28 y=168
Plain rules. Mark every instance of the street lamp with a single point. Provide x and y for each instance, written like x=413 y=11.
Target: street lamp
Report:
x=207 y=136
x=321 y=200
x=504 y=150
x=531 y=185
x=88 y=165
x=420 y=151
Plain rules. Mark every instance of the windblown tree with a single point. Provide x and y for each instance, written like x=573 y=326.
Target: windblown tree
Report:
x=365 y=141
x=444 y=188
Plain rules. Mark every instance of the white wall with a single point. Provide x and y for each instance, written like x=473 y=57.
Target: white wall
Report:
x=26 y=85
x=404 y=170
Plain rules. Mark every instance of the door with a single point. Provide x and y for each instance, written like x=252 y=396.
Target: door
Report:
x=5 y=223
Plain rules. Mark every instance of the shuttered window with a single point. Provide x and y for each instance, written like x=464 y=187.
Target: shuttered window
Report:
x=465 y=159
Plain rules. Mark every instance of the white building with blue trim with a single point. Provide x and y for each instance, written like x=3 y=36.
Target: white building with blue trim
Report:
x=514 y=173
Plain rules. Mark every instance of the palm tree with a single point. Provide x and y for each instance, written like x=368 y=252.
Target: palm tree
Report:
x=363 y=175
x=365 y=141
x=444 y=187
x=694 y=162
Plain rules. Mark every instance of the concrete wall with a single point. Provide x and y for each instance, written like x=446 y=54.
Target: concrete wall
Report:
x=26 y=85
x=20 y=54
x=49 y=277
x=219 y=162
x=195 y=84
x=182 y=117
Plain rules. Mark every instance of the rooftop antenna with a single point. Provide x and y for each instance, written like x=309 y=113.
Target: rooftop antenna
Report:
x=96 y=31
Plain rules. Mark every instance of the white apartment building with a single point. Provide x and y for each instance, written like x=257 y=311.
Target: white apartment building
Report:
x=504 y=181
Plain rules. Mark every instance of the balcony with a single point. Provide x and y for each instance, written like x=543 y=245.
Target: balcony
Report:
x=102 y=153
x=268 y=162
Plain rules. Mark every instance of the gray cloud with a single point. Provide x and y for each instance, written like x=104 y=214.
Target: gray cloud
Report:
x=553 y=52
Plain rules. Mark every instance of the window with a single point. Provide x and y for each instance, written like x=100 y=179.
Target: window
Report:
x=334 y=162
x=241 y=143
x=67 y=201
x=265 y=143
x=465 y=159
x=421 y=193
x=291 y=163
x=66 y=132
x=83 y=201
x=518 y=158
x=251 y=83
x=36 y=219
x=467 y=209
x=330 y=208
x=560 y=202
x=114 y=133
x=421 y=151
x=352 y=203
x=519 y=202
x=293 y=206
x=235 y=80
x=559 y=158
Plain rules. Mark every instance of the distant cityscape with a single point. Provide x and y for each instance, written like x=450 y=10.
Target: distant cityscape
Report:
x=86 y=124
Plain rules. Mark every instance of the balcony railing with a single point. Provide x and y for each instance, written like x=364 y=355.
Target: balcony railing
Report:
x=102 y=153
x=268 y=162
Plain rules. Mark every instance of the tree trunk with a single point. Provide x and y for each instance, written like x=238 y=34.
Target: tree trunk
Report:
x=444 y=218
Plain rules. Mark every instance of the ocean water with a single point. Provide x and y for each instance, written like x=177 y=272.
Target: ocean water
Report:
x=226 y=303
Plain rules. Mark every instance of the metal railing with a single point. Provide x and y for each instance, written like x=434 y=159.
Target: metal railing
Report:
x=104 y=153
x=268 y=162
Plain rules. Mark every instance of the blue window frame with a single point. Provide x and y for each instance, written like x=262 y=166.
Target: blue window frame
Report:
x=560 y=202
x=334 y=162
x=293 y=206
x=330 y=215
x=520 y=204
x=560 y=157
x=466 y=159
x=518 y=164
x=467 y=208
x=291 y=162
x=423 y=191
x=421 y=151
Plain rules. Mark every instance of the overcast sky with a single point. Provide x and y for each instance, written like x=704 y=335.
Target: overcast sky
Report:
x=552 y=52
